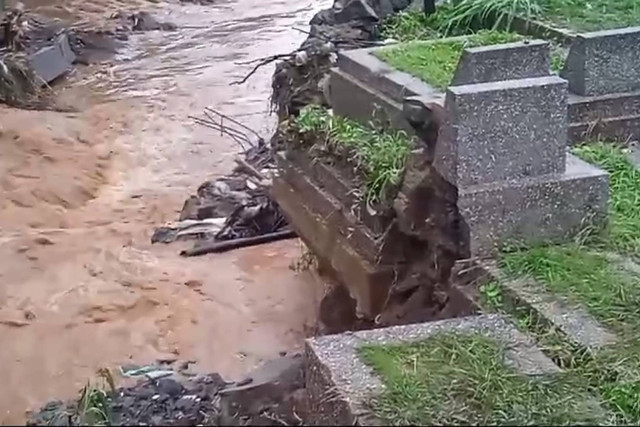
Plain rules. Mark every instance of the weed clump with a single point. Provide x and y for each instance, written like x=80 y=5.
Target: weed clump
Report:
x=377 y=156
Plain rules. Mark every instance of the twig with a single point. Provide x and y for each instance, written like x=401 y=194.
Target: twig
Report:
x=227 y=245
x=232 y=133
x=320 y=36
x=261 y=62
x=232 y=120
x=274 y=57
x=248 y=168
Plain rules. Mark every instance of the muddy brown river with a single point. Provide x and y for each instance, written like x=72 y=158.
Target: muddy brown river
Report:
x=81 y=287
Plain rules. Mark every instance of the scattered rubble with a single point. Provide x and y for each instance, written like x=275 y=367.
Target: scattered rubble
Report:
x=273 y=394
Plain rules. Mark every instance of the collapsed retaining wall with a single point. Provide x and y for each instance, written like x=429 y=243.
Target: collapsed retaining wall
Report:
x=490 y=167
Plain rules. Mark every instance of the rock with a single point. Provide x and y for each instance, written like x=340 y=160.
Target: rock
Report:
x=270 y=384
x=324 y=17
x=356 y=10
x=382 y=8
x=185 y=403
x=170 y=387
x=41 y=240
x=190 y=208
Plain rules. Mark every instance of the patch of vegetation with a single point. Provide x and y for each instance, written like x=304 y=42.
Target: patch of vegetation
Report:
x=585 y=274
x=411 y=25
x=467 y=15
x=93 y=408
x=559 y=56
x=462 y=380
x=624 y=180
x=584 y=277
x=378 y=155
x=458 y=18
x=435 y=62
x=591 y=15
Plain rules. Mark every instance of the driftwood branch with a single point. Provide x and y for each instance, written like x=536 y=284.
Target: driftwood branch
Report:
x=228 y=245
x=244 y=165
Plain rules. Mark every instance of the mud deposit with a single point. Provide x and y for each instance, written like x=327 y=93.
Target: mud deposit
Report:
x=81 y=287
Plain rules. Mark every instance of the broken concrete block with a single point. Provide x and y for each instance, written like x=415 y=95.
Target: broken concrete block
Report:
x=509 y=61
x=341 y=386
x=51 y=62
x=503 y=130
x=604 y=62
x=368 y=283
x=262 y=389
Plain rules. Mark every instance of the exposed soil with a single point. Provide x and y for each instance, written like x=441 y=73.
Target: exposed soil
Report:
x=81 y=286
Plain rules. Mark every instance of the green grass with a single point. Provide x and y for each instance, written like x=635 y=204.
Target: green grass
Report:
x=611 y=373
x=469 y=16
x=581 y=271
x=462 y=380
x=378 y=155
x=591 y=15
x=584 y=277
x=411 y=25
x=435 y=62
x=625 y=194
x=584 y=274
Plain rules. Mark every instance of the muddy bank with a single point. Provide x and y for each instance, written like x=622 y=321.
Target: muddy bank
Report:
x=81 y=192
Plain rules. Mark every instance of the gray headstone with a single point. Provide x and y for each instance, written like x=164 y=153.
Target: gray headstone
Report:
x=53 y=61
x=503 y=131
x=511 y=61
x=604 y=62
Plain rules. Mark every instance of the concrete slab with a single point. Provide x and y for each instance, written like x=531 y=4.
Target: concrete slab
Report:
x=351 y=98
x=382 y=77
x=340 y=385
x=367 y=282
x=51 y=62
x=612 y=116
x=339 y=219
x=604 y=62
x=622 y=129
x=533 y=210
x=574 y=322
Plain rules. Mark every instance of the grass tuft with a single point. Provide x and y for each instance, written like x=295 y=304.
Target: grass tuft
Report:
x=588 y=274
x=411 y=25
x=625 y=194
x=378 y=155
x=591 y=15
x=435 y=62
x=455 y=379
x=466 y=15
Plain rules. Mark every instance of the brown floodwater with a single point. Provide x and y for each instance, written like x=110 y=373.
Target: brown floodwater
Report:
x=81 y=287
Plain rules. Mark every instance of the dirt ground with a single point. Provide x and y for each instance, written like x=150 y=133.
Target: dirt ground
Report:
x=81 y=287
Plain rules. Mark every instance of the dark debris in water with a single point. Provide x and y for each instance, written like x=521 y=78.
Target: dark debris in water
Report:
x=153 y=402
x=272 y=394
x=236 y=207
